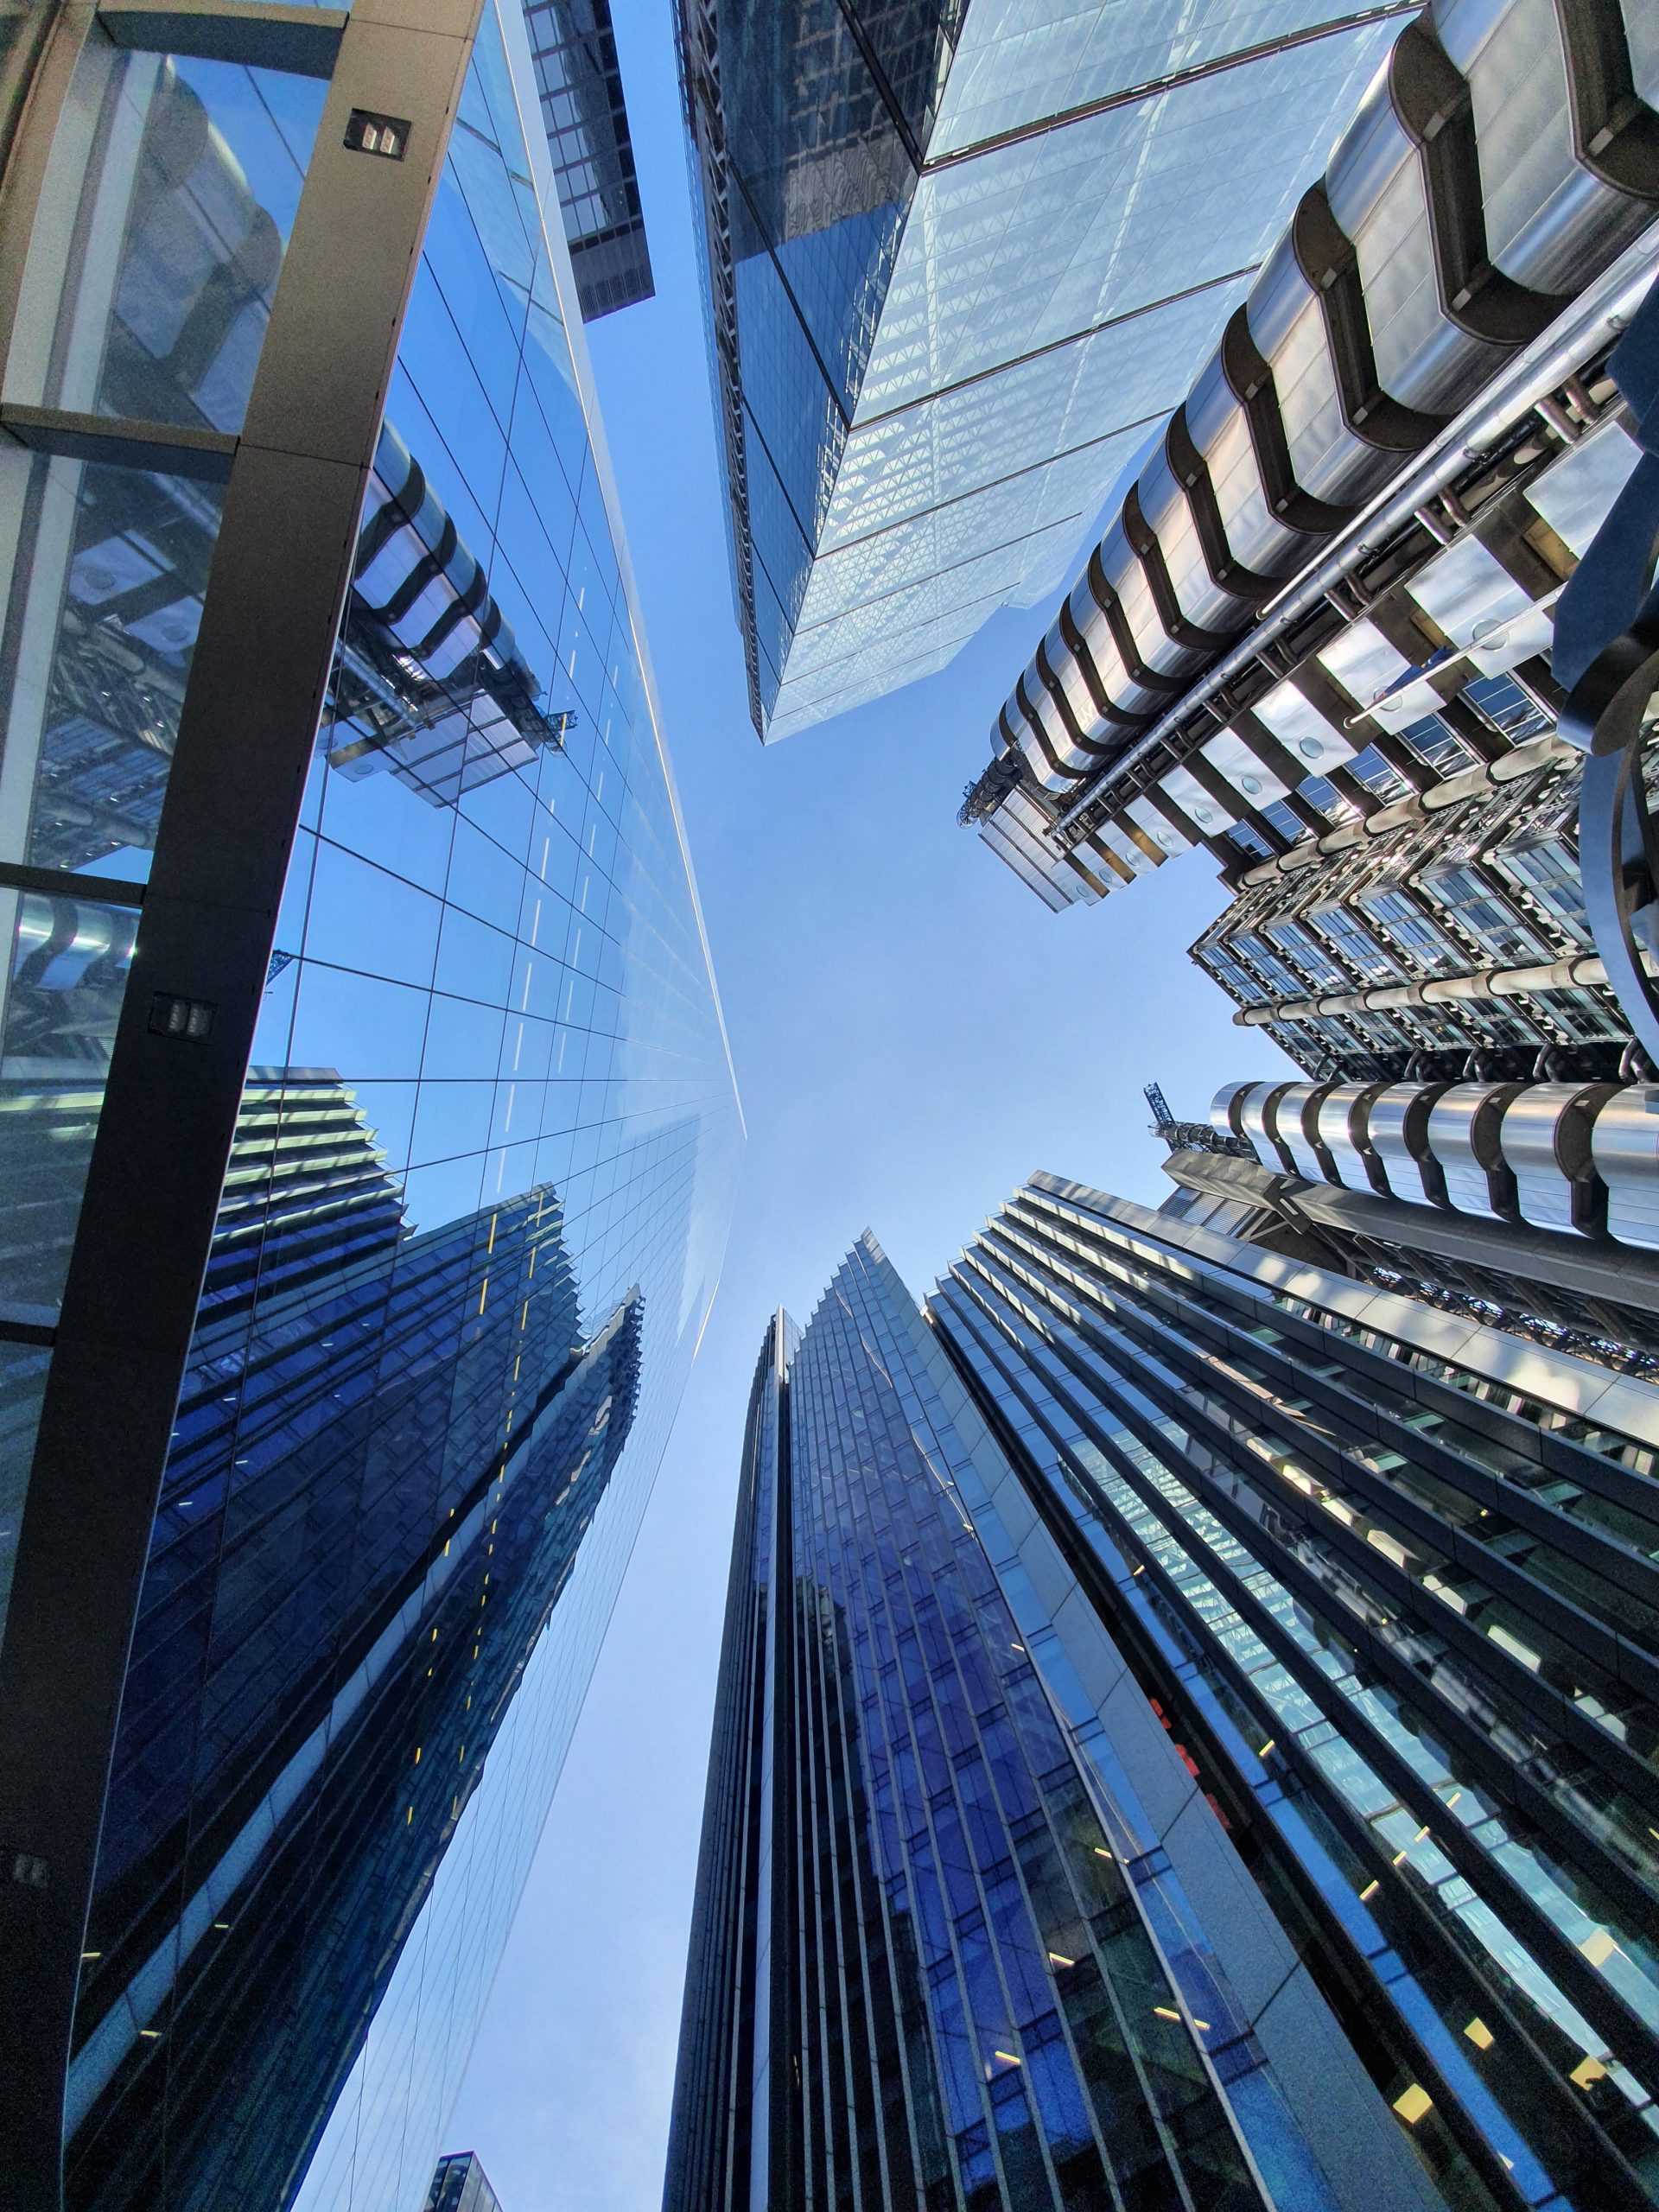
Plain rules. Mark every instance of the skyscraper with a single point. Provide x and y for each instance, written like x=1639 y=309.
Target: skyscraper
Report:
x=958 y=259
x=1184 y=1717
x=366 y=1124
x=461 y=2185
x=574 y=49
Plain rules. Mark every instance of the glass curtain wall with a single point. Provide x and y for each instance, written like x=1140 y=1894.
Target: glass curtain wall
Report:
x=1389 y=1577
x=921 y=1973
x=172 y=190
x=484 y=1160
x=808 y=125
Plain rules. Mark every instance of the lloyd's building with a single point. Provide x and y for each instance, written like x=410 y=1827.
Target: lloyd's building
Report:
x=366 y=1124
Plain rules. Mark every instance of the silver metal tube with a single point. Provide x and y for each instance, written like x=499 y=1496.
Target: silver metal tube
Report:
x=1597 y=316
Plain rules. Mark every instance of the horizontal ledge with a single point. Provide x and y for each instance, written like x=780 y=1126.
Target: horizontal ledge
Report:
x=58 y=883
x=119 y=443
x=28 y=1325
x=302 y=42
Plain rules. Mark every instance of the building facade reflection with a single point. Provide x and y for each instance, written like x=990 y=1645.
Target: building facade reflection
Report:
x=409 y=1171
x=388 y=1448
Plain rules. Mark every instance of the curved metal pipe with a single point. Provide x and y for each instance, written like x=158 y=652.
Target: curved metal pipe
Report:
x=1604 y=309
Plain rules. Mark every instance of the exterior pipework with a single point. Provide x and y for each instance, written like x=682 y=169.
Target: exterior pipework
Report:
x=1461 y=210
x=1581 y=1159
x=1624 y=1147
x=1545 y=1139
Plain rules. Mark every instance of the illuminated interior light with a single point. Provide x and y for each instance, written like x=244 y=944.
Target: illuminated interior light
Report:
x=1413 y=2104
x=91 y=1955
x=1205 y=2025
x=1101 y=1852
x=1479 y=2034
x=1398 y=1856
x=1164 y=2012
x=1588 y=2070
x=153 y=2034
x=1267 y=1747
x=1369 y=1891
x=1055 y=1960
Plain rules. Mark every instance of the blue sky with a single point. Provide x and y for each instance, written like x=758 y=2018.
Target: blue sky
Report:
x=914 y=1033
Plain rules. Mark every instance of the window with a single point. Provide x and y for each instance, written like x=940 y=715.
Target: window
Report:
x=1465 y=895
x=1357 y=945
x=1427 y=948
x=1549 y=871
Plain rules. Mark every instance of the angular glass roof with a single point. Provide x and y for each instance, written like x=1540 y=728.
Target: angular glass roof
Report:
x=1098 y=190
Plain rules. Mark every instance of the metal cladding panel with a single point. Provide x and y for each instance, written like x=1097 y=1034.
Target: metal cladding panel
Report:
x=1398 y=1123
x=1625 y=1146
x=1466 y=588
x=1543 y=212
x=1362 y=661
x=1158 y=825
x=1546 y=1139
x=1196 y=803
x=1574 y=495
x=1231 y=755
x=1463 y=1136
x=1289 y=1119
x=1313 y=737
x=1254 y=1122
x=1344 y=1115
x=1023 y=860
x=1224 y=1108
x=1134 y=857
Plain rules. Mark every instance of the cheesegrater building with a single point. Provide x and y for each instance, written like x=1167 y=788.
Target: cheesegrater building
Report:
x=959 y=260
x=368 y=1130
x=1185 y=1735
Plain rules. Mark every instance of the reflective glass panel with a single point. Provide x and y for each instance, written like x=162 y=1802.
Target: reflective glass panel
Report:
x=172 y=190
x=64 y=981
x=471 y=1226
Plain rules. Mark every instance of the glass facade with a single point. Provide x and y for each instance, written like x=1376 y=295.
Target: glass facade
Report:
x=1389 y=1575
x=574 y=49
x=1448 y=894
x=924 y=1972
x=1185 y=1735
x=461 y=2185
x=485 y=1152
x=808 y=125
x=943 y=338
x=175 y=183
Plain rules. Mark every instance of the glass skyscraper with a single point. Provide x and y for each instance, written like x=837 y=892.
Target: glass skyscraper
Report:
x=367 y=1131
x=959 y=262
x=1185 y=1735
x=461 y=2185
